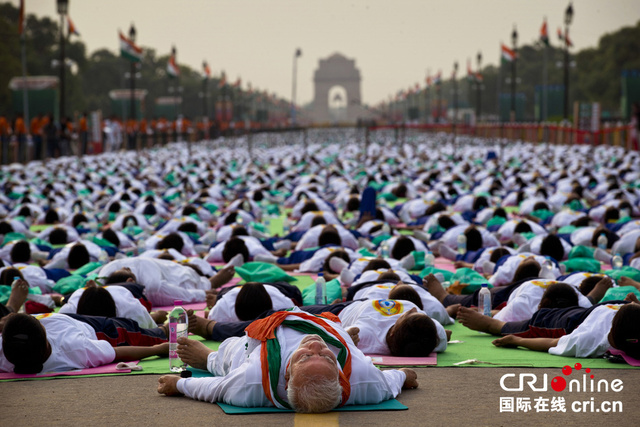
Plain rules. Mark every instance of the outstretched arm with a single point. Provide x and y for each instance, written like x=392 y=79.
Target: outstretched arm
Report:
x=535 y=344
x=125 y=353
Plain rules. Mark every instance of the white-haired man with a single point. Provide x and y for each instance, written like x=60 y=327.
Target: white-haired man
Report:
x=290 y=359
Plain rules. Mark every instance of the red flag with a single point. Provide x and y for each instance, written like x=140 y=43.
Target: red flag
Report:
x=21 y=18
x=544 y=34
x=223 y=80
x=206 y=69
x=71 y=29
x=567 y=40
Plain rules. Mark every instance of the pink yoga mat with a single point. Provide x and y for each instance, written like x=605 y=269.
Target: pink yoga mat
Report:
x=445 y=264
x=630 y=360
x=379 y=359
x=192 y=306
x=105 y=369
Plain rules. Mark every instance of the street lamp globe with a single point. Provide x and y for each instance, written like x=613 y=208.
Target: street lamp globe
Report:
x=63 y=6
x=514 y=36
x=568 y=15
x=132 y=33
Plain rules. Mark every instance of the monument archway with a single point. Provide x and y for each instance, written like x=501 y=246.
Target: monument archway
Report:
x=337 y=96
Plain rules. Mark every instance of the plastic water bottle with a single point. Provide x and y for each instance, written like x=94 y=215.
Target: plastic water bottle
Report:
x=546 y=272
x=141 y=246
x=616 y=262
x=286 y=227
x=321 y=290
x=384 y=250
x=602 y=241
x=178 y=327
x=462 y=243
x=429 y=259
x=484 y=300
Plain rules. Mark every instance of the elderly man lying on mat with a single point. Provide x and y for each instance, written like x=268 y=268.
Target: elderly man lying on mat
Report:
x=290 y=359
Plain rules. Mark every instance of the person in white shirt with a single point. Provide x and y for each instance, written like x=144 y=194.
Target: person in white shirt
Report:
x=318 y=367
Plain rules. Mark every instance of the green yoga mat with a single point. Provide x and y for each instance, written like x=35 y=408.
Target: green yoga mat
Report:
x=389 y=405
x=477 y=345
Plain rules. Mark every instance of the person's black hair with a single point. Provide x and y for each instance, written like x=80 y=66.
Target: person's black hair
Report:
x=231 y=218
x=446 y=222
x=522 y=227
x=165 y=254
x=258 y=196
x=126 y=219
x=25 y=212
x=149 y=209
x=588 y=284
x=498 y=253
x=318 y=220
x=78 y=219
x=480 y=202
x=541 y=206
x=552 y=246
x=611 y=214
x=78 y=256
x=120 y=276
x=51 y=217
x=24 y=343
x=5 y=228
x=96 y=301
x=188 y=227
x=310 y=206
x=21 y=252
x=435 y=208
x=583 y=221
x=406 y=293
x=329 y=236
x=110 y=236
x=400 y=191
x=416 y=337
x=528 y=269
x=376 y=264
x=625 y=205
x=7 y=275
x=171 y=241
x=353 y=204
x=235 y=246
x=559 y=295
x=115 y=207
x=379 y=214
x=625 y=330
x=404 y=246
x=252 y=300
x=474 y=238
x=389 y=276
x=58 y=236
x=375 y=228
x=500 y=212
x=125 y=197
x=240 y=230
x=189 y=210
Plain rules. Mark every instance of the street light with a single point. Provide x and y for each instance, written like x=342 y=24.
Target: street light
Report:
x=63 y=6
x=568 y=17
x=514 y=42
x=132 y=37
x=296 y=55
x=455 y=93
x=478 y=104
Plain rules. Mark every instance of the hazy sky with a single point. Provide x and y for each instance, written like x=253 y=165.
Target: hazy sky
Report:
x=394 y=42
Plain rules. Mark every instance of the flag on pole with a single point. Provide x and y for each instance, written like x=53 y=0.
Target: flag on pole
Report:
x=237 y=83
x=471 y=76
x=428 y=80
x=567 y=40
x=508 y=55
x=206 y=70
x=21 y=18
x=479 y=77
x=438 y=78
x=560 y=36
x=71 y=29
x=129 y=50
x=172 y=66
x=223 y=80
x=544 y=34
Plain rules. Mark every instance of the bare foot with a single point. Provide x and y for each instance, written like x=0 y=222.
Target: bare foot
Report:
x=211 y=299
x=508 y=341
x=628 y=281
x=448 y=334
x=434 y=287
x=631 y=297
x=18 y=295
x=91 y=284
x=479 y=322
x=159 y=316
x=452 y=310
x=222 y=276
x=353 y=333
x=193 y=353
x=598 y=291
x=199 y=325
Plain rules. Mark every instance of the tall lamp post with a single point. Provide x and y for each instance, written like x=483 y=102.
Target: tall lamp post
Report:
x=455 y=93
x=514 y=42
x=132 y=115
x=568 y=17
x=63 y=6
x=478 y=84
x=296 y=55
